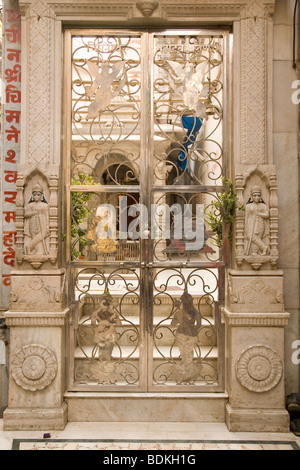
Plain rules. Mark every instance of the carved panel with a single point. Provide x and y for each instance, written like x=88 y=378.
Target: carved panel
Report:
x=37 y=293
x=259 y=368
x=256 y=292
x=253 y=85
x=40 y=79
x=33 y=367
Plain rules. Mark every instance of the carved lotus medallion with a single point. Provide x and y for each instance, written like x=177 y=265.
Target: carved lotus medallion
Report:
x=34 y=367
x=259 y=368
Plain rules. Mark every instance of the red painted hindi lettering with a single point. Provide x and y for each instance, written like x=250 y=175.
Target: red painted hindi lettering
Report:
x=9 y=238
x=13 y=54
x=6 y=280
x=14 y=74
x=9 y=257
x=13 y=95
x=10 y=216
x=10 y=158
x=13 y=15
x=12 y=134
x=10 y=176
x=14 y=33
x=13 y=115
x=10 y=196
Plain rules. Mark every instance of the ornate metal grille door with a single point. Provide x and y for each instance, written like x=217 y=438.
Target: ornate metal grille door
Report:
x=145 y=145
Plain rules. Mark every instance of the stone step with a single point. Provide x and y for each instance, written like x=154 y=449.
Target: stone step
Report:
x=146 y=407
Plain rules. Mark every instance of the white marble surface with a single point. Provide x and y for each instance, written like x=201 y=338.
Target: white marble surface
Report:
x=142 y=431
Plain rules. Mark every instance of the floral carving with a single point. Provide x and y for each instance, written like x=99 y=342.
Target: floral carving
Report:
x=147 y=8
x=256 y=292
x=259 y=369
x=33 y=367
x=36 y=292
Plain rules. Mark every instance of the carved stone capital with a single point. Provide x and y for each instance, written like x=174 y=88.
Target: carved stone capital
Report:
x=257 y=319
x=37 y=319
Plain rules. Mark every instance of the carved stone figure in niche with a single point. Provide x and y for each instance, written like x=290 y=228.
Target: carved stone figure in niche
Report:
x=256 y=214
x=36 y=225
x=188 y=320
x=103 y=320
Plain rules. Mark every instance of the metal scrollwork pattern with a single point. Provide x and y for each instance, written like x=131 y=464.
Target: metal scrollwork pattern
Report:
x=106 y=90
x=195 y=242
x=188 y=109
x=146 y=154
x=95 y=227
x=108 y=327
x=185 y=332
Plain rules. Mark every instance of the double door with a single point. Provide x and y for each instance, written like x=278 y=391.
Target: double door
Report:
x=145 y=159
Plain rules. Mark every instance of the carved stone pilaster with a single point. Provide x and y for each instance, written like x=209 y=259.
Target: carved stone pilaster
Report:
x=255 y=378
x=38 y=108
x=253 y=69
x=38 y=374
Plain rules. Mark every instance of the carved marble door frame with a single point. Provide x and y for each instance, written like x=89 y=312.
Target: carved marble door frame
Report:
x=254 y=328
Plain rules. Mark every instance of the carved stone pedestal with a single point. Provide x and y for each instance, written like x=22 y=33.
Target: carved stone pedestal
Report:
x=254 y=370
x=37 y=370
x=255 y=315
x=31 y=418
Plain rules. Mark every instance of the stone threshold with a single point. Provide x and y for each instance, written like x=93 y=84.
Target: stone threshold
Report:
x=197 y=395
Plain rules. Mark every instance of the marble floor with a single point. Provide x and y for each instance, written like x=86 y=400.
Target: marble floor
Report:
x=155 y=432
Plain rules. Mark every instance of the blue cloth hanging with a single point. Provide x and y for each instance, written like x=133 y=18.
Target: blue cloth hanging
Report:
x=193 y=126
